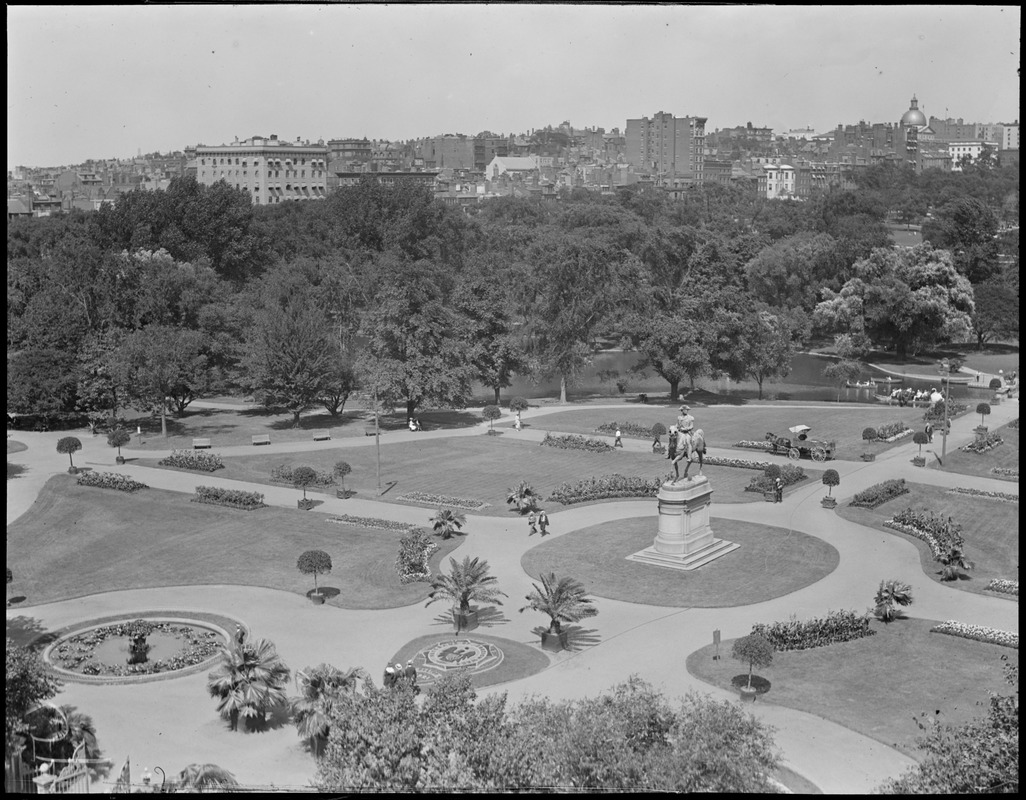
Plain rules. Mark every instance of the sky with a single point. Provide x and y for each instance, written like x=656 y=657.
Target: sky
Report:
x=111 y=81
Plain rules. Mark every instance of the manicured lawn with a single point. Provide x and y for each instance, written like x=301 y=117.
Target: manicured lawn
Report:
x=15 y=447
x=1005 y=455
x=79 y=541
x=990 y=528
x=519 y=660
x=225 y=427
x=481 y=467
x=878 y=686
x=724 y=425
x=770 y=562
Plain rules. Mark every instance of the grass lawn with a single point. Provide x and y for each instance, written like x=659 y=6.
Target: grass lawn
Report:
x=479 y=467
x=15 y=447
x=724 y=425
x=519 y=660
x=770 y=562
x=1005 y=455
x=79 y=541
x=227 y=427
x=878 y=686
x=990 y=528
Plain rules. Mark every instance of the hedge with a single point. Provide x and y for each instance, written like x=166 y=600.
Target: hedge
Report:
x=879 y=493
x=836 y=626
x=605 y=487
x=572 y=441
x=193 y=459
x=233 y=498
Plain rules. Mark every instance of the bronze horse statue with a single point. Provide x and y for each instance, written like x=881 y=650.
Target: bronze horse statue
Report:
x=689 y=446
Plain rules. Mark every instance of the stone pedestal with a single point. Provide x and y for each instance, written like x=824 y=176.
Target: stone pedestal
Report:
x=685 y=539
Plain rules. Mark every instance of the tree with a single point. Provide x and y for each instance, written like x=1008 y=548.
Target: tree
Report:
x=71 y=445
x=290 y=357
x=466 y=582
x=911 y=298
x=491 y=413
x=447 y=522
x=160 y=363
x=831 y=478
x=249 y=680
x=561 y=599
x=340 y=382
x=842 y=372
x=498 y=353
x=518 y=405
x=674 y=346
x=790 y=272
x=891 y=594
x=759 y=346
x=204 y=777
x=47 y=724
x=983 y=409
x=28 y=681
x=304 y=477
x=318 y=689
x=314 y=562
x=968 y=227
x=870 y=434
x=756 y=649
x=340 y=470
x=996 y=314
x=41 y=382
x=118 y=438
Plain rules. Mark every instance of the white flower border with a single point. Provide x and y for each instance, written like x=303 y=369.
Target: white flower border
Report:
x=978 y=633
x=1003 y=586
x=929 y=538
x=1002 y=496
x=469 y=504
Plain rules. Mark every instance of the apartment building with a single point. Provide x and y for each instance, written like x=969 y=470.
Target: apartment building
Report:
x=666 y=145
x=271 y=171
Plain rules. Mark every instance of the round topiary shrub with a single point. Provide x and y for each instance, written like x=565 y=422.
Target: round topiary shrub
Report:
x=983 y=409
x=658 y=430
x=69 y=445
x=118 y=438
x=491 y=413
x=303 y=477
x=314 y=562
x=772 y=471
x=869 y=434
x=831 y=478
x=920 y=438
x=995 y=384
x=518 y=404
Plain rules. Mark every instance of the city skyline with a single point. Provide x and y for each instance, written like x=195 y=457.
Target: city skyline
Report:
x=106 y=82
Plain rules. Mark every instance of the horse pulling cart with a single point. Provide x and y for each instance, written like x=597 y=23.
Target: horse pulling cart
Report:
x=799 y=445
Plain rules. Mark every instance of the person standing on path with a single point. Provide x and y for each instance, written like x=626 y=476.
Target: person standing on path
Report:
x=516 y=421
x=778 y=486
x=532 y=524
x=389 y=679
x=410 y=673
x=928 y=430
x=543 y=522
x=617 y=442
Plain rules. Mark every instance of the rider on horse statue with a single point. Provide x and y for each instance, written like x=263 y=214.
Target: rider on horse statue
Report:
x=690 y=443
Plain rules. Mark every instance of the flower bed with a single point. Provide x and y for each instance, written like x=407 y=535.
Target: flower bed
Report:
x=1003 y=586
x=76 y=652
x=605 y=487
x=415 y=551
x=982 y=445
x=467 y=503
x=879 y=493
x=740 y=463
x=892 y=431
x=372 y=522
x=750 y=445
x=935 y=413
x=283 y=474
x=193 y=459
x=110 y=480
x=572 y=441
x=1004 y=496
x=836 y=626
x=1006 y=471
x=978 y=633
x=630 y=429
x=938 y=533
x=789 y=474
x=233 y=498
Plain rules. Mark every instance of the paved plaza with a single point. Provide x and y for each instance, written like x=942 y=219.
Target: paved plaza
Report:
x=173 y=723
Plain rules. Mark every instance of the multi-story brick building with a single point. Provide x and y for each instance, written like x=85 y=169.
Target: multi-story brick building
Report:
x=271 y=171
x=668 y=146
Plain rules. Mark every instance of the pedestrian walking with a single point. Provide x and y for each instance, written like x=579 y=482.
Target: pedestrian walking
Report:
x=389 y=679
x=928 y=430
x=778 y=486
x=617 y=442
x=516 y=422
x=410 y=673
x=543 y=522
x=532 y=524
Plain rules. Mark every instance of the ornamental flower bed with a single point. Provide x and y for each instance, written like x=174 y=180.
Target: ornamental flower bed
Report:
x=892 y=431
x=880 y=493
x=1007 y=472
x=372 y=522
x=789 y=474
x=605 y=487
x=937 y=532
x=110 y=480
x=1003 y=496
x=468 y=503
x=750 y=445
x=76 y=652
x=630 y=429
x=193 y=459
x=836 y=626
x=572 y=441
x=415 y=551
x=232 y=498
x=982 y=445
x=935 y=413
x=1003 y=586
x=740 y=463
x=978 y=633
x=283 y=474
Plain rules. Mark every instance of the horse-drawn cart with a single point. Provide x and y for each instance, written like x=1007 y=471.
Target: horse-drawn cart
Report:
x=799 y=445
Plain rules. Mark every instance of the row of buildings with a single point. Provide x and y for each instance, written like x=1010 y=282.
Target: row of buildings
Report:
x=666 y=151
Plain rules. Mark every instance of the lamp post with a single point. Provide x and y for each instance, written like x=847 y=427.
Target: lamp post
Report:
x=945 y=371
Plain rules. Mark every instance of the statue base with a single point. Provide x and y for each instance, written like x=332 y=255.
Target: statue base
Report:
x=685 y=540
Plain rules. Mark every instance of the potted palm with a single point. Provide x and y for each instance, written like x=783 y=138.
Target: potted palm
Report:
x=340 y=471
x=118 y=438
x=953 y=559
x=447 y=522
x=920 y=438
x=69 y=445
x=869 y=435
x=562 y=600
x=523 y=498
x=315 y=562
x=889 y=596
x=467 y=581
x=302 y=477
x=831 y=478
x=249 y=680
x=757 y=650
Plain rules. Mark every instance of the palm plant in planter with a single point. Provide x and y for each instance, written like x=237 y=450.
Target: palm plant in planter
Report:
x=757 y=650
x=249 y=681
x=118 y=438
x=523 y=498
x=831 y=478
x=302 y=477
x=69 y=445
x=869 y=435
x=315 y=562
x=563 y=600
x=447 y=522
x=953 y=559
x=319 y=687
x=891 y=594
x=920 y=438
x=340 y=470
x=467 y=581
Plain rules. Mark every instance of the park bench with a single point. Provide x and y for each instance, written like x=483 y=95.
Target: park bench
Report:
x=199 y=444
x=320 y=436
x=369 y=430
x=262 y=438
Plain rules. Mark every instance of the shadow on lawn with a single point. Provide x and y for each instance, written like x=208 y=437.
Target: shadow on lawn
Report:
x=15 y=470
x=577 y=638
x=26 y=630
x=761 y=685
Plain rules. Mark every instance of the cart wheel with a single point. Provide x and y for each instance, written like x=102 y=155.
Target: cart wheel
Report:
x=794 y=454
x=819 y=454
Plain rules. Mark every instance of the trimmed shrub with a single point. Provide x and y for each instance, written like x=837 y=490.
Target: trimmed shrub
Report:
x=572 y=441
x=232 y=498
x=983 y=409
x=110 y=480
x=831 y=478
x=869 y=434
x=659 y=429
x=630 y=429
x=836 y=626
x=193 y=459
x=285 y=473
x=606 y=487
x=314 y=562
x=995 y=384
x=880 y=493
x=789 y=474
x=518 y=404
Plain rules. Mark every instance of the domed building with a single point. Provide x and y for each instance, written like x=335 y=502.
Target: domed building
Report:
x=913 y=117
x=914 y=128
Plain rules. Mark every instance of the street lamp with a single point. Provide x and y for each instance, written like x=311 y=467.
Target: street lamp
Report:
x=945 y=371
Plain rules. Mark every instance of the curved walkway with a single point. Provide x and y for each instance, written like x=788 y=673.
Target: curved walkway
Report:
x=650 y=641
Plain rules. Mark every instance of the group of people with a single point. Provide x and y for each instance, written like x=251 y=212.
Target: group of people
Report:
x=414 y=424
x=538 y=523
x=909 y=397
x=397 y=674
x=685 y=443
